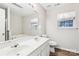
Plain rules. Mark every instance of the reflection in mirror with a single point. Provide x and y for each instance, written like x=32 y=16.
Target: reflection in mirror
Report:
x=6 y=22
x=23 y=21
x=34 y=25
x=2 y=25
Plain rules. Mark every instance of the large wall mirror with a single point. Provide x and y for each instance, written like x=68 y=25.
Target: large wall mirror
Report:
x=21 y=19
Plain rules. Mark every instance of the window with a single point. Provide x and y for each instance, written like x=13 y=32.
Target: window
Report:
x=66 y=20
x=66 y=23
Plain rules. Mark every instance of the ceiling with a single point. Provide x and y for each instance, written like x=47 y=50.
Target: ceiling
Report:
x=48 y=6
x=25 y=9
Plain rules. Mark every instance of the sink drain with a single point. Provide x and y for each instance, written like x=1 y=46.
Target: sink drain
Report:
x=17 y=54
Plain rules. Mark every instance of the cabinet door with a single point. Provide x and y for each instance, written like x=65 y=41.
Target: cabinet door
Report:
x=45 y=50
x=36 y=52
x=2 y=25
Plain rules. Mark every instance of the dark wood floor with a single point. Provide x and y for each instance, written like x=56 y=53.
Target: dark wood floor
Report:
x=59 y=52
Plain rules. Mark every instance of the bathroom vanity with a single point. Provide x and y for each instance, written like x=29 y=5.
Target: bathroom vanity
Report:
x=42 y=50
x=26 y=46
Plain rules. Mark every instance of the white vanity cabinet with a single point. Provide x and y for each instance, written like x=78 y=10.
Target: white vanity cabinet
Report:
x=43 y=50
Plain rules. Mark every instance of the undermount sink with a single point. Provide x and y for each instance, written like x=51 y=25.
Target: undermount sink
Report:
x=17 y=51
x=31 y=42
x=8 y=51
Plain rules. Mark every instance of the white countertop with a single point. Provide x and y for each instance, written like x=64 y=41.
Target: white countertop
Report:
x=26 y=47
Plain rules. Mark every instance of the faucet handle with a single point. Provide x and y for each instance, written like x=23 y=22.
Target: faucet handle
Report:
x=16 y=45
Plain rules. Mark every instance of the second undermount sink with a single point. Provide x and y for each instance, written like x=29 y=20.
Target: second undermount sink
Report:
x=30 y=42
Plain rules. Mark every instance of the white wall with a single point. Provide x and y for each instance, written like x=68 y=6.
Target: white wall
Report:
x=16 y=24
x=66 y=38
x=41 y=15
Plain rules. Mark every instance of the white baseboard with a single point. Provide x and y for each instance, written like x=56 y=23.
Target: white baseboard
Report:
x=68 y=49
